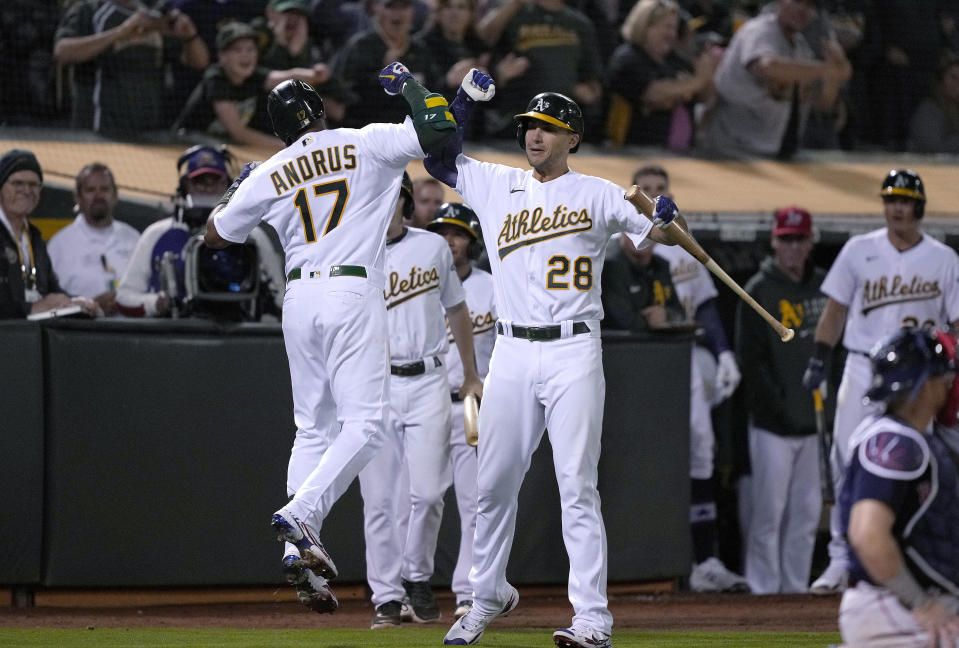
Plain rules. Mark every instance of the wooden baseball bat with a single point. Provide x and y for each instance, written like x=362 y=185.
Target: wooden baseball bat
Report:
x=471 y=420
x=825 y=445
x=684 y=239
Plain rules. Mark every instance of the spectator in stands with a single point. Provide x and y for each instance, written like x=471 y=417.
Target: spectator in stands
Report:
x=359 y=63
x=783 y=447
x=455 y=43
x=28 y=93
x=428 y=195
x=291 y=46
x=767 y=81
x=650 y=85
x=637 y=289
x=565 y=60
x=210 y=16
x=934 y=127
x=230 y=101
x=120 y=49
x=90 y=254
x=28 y=283
x=709 y=16
x=155 y=281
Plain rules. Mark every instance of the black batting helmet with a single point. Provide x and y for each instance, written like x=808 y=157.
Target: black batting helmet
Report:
x=904 y=361
x=462 y=217
x=406 y=191
x=907 y=183
x=552 y=108
x=293 y=106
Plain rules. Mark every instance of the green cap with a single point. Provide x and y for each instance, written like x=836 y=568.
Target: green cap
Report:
x=233 y=31
x=303 y=6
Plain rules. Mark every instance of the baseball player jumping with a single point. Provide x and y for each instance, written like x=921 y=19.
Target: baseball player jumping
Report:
x=330 y=195
x=882 y=280
x=422 y=286
x=900 y=502
x=458 y=224
x=551 y=226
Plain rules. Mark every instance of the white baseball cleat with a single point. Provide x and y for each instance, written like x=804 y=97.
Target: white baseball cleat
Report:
x=711 y=575
x=469 y=628
x=291 y=529
x=581 y=637
x=831 y=581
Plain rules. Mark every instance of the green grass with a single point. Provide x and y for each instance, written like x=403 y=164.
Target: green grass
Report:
x=406 y=637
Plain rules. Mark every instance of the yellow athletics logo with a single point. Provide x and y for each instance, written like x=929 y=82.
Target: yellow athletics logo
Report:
x=419 y=281
x=524 y=229
x=661 y=293
x=791 y=315
x=876 y=294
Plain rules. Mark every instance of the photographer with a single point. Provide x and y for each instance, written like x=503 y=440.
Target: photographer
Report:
x=160 y=277
x=120 y=50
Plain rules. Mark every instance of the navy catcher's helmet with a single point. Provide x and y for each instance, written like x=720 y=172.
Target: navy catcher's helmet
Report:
x=552 y=108
x=460 y=216
x=904 y=182
x=904 y=361
x=293 y=106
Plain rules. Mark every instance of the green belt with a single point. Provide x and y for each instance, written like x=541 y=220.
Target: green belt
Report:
x=335 y=271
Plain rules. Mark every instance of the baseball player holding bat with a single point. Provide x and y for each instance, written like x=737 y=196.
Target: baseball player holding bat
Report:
x=899 y=503
x=882 y=280
x=401 y=524
x=547 y=229
x=783 y=443
x=330 y=196
x=458 y=224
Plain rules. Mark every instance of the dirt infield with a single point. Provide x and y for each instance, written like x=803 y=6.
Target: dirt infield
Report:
x=674 y=611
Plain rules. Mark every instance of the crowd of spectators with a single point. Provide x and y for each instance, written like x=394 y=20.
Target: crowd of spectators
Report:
x=711 y=77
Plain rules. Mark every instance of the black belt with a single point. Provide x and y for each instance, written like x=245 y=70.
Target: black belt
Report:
x=335 y=271
x=541 y=333
x=413 y=368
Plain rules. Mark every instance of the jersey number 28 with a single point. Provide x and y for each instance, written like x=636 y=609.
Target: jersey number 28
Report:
x=582 y=273
x=342 y=191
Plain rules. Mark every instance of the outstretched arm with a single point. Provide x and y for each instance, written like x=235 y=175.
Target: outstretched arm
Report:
x=432 y=120
x=476 y=86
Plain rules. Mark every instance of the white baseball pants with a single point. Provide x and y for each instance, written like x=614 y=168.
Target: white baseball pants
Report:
x=336 y=341
x=557 y=385
x=785 y=512
x=463 y=465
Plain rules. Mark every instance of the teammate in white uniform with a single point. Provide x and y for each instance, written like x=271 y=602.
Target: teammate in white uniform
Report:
x=458 y=224
x=421 y=285
x=714 y=376
x=882 y=280
x=330 y=196
x=900 y=500
x=90 y=254
x=550 y=226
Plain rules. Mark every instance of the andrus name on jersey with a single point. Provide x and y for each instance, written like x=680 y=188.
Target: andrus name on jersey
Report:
x=319 y=162
x=400 y=290
x=876 y=294
x=529 y=229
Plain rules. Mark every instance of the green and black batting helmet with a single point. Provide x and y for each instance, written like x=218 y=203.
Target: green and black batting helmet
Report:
x=906 y=183
x=406 y=191
x=293 y=106
x=552 y=108
x=462 y=217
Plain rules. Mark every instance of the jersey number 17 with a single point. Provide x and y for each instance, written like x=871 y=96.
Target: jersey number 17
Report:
x=302 y=203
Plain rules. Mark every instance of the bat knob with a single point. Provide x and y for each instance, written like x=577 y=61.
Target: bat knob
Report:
x=787 y=335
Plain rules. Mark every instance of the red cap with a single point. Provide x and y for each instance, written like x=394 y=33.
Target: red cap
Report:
x=793 y=220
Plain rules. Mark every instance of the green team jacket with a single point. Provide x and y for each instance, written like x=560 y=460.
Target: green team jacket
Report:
x=772 y=371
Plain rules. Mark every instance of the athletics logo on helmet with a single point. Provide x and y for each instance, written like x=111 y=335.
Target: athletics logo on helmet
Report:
x=903 y=362
x=907 y=183
x=461 y=217
x=552 y=108
x=293 y=107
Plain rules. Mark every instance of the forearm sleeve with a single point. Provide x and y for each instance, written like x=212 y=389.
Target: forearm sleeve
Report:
x=431 y=114
x=442 y=165
x=714 y=337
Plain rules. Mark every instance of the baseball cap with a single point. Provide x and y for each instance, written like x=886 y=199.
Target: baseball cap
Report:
x=303 y=6
x=233 y=31
x=793 y=220
x=205 y=160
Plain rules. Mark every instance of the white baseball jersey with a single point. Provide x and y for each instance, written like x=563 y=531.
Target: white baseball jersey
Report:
x=421 y=283
x=546 y=261
x=322 y=180
x=690 y=278
x=885 y=289
x=90 y=260
x=478 y=287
